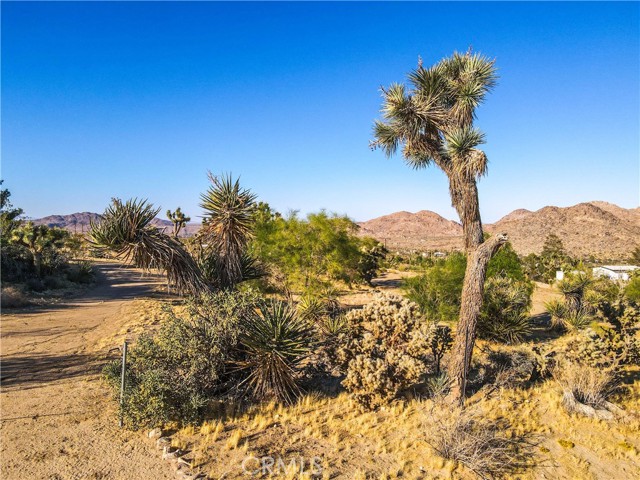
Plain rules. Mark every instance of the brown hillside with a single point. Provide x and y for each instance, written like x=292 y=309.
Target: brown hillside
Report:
x=424 y=230
x=594 y=228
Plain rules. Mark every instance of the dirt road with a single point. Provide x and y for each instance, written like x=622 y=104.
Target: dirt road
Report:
x=57 y=419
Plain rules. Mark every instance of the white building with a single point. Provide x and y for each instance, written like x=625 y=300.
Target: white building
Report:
x=615 y=272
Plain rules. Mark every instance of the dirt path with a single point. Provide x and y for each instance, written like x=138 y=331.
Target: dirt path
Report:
x=57 y=418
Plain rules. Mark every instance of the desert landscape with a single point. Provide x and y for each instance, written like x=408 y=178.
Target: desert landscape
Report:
x=300 y=248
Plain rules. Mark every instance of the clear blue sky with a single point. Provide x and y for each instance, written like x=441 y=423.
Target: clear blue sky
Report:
x=141 y=99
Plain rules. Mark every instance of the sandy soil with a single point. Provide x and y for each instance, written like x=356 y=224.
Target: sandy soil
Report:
x=57 y=419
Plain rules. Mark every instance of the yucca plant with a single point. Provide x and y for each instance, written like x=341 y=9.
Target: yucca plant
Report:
x=574 y=287
x=126 y=230
x=227 y=226
x=274 y=343
x=311 y=308
x=505 y=315
x=573 y=312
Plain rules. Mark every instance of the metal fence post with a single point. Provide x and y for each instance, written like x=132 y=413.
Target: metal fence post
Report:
x=122 y=379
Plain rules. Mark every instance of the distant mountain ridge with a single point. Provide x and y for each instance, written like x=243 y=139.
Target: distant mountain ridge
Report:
x=602 y=229
x=80 y=223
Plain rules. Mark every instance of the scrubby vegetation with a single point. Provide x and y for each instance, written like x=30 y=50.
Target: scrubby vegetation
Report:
x=36 y=258
x=385 y=352
x=262 y=337
x=507 y=296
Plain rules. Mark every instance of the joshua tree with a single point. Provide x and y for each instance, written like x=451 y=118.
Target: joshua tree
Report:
x=178 y=219
x=37 y=238
x=432 y=121
x=227 y=226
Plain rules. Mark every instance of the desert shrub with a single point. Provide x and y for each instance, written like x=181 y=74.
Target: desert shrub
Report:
x=505 y=367
x=388 y=351
x=439 y=290
x=589 y=385
x=616 y=341
x=13 y=297
x=505 y=310
x=53 y=282
x=274 y=341
x=16 y=262
x=577 y=310
x=35 y=284
x=632 y=289
x=311 y=253
x=81 y=272
x=438 y=385
x=487 y=447
x=172 y=374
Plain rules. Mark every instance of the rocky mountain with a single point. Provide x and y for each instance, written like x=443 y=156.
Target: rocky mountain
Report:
x=601 y=229
x=79 y=223
x=594 y=228
x=424 y=230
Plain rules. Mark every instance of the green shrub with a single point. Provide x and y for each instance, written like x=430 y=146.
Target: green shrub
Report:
x=173 y=374
x=82 y=272
x=632 y=289
x=387 y=351
x=439 y=290
x=308 y=254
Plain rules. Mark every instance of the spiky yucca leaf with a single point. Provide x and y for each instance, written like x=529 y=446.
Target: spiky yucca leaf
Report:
x=311 y=308
x=275 y=341
x=228 y=225
x=505 y=315
x=125 y=229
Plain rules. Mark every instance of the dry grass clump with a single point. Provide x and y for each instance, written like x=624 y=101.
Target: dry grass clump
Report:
x=586 y=389
x=589 y=385
x=13 y=297
x=488 y=447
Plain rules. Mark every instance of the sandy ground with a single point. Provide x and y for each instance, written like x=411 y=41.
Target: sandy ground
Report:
x=57 y=420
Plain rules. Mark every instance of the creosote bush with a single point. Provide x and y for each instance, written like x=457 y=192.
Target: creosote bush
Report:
x=387 y=350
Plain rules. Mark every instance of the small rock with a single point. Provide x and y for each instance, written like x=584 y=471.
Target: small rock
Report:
x=155 y=433
x=169 y=454
x=163 y=442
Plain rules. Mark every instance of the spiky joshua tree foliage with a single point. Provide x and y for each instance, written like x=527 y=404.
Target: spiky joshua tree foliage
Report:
x=126 y=230
x=431 y=120
x=227 y=227
x=178 y=219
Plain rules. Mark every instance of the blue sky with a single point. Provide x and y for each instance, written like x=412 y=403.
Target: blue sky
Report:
x=141 y=99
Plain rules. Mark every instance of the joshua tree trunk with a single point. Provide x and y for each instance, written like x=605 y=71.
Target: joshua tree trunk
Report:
x=464 y=195
x=37 y=262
